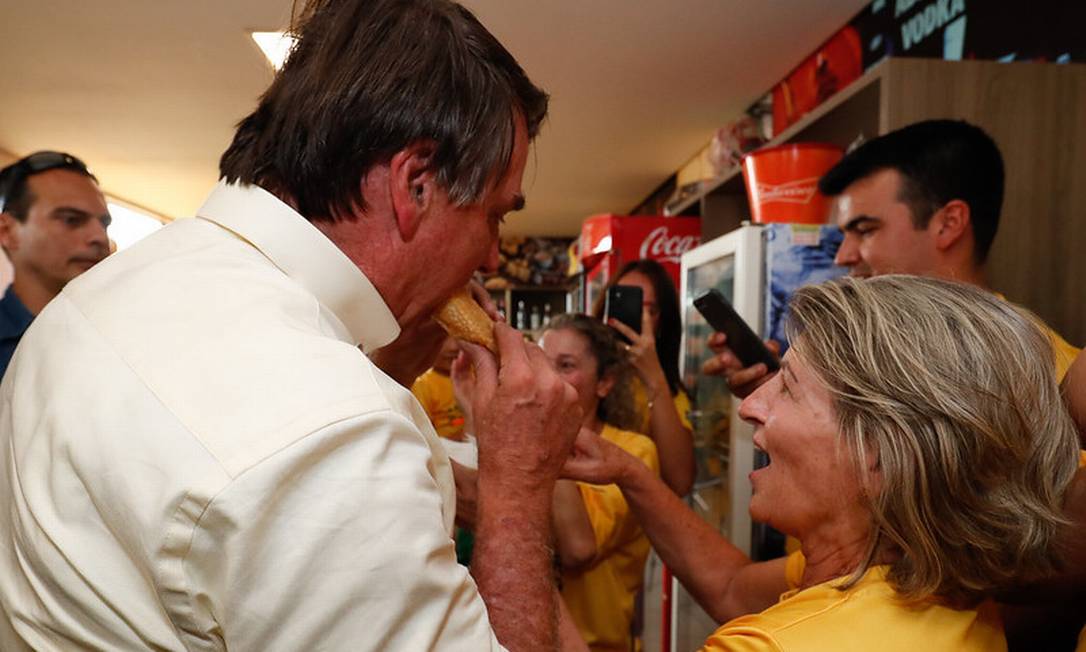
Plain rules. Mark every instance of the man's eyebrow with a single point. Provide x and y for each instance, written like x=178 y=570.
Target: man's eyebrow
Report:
x=70 y=211
x=858 y=221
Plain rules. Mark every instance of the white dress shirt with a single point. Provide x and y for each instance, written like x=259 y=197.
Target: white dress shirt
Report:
x=196 y=455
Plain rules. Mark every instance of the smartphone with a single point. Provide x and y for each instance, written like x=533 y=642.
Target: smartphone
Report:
x=743 y=341
x=623 y=302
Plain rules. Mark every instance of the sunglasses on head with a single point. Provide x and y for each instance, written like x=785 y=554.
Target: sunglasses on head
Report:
x=14 y=174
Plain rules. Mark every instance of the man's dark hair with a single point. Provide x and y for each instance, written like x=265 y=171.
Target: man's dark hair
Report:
x=939 y=160
x=16 y=198
x=368 y=78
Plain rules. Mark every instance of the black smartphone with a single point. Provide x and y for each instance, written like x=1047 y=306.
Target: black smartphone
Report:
x=746 y=344
x=623 y=302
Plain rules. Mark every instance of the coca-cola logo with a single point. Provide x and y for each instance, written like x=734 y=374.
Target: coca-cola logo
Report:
x=793 y=192
x=661 y=246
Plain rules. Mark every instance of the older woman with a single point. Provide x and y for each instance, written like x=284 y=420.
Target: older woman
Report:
x=918 y=450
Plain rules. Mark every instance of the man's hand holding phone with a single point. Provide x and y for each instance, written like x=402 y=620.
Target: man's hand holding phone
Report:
x=741 y=380
x=740 y=355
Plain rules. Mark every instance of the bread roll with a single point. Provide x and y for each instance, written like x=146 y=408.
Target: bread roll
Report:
x=465 y=319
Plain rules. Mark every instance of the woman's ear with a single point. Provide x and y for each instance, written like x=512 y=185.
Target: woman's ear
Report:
x=604 y=385
x=411 y=186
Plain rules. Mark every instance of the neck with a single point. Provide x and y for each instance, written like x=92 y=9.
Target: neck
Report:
x=592 y=422
x=33 y=293
x=835 y=549
x=959 y=265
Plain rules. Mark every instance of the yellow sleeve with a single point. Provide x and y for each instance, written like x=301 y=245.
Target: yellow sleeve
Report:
x=740 y=638
x=682 y=406
x=794 y=566
x=421 y=389
x=1065 y=353
x=607 y=510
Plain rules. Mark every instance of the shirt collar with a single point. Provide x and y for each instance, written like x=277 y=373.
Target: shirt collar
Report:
x=306 y=255
x=15 y=318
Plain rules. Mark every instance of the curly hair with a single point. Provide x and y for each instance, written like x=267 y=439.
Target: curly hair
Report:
x=617 y=408
x=950 y=395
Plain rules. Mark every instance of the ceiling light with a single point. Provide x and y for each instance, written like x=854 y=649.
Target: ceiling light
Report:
x=276 y=46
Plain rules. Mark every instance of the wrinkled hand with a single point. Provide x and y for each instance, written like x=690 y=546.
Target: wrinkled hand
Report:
x=483 y=298
x=596 y=460
x=525 y=414
x=412 y=353
x=642 y=349
x=741 y=380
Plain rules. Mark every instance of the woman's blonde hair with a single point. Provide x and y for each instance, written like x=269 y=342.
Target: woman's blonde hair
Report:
x=947 y=400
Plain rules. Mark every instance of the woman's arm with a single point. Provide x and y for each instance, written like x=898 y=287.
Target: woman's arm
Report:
x=674 y=442
x=574 y=539
x=724 y=581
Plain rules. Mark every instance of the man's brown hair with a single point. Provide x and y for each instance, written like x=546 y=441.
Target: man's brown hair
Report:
x=370 y=77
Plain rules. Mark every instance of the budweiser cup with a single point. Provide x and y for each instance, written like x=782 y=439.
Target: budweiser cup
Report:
x=782 y=182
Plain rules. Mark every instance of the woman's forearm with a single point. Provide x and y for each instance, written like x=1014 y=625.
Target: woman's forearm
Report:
x=674 y=442
x=574 y=539
x=705 y=562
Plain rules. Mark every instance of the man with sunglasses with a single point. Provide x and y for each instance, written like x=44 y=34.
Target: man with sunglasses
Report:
x=53 y=228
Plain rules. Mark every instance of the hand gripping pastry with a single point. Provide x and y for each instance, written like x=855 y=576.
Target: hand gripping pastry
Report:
x=464 y=319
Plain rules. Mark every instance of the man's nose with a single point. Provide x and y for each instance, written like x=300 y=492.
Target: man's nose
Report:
x=848 y=254
x=96 y=234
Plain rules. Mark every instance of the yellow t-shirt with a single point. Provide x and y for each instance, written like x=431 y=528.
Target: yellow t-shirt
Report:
x=1065 y=353
x=644 y=415
x=434 y=390
x=1082 y=636
x=601 y=597
x=866 y=617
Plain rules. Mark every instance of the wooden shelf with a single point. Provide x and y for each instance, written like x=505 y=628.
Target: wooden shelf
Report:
x=1035 y=112
x=860 y=98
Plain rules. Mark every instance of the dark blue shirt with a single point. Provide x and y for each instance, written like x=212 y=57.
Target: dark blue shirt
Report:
x=14 y=320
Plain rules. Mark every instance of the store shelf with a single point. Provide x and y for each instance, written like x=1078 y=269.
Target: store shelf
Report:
x=852 y=106
x=1034 y=111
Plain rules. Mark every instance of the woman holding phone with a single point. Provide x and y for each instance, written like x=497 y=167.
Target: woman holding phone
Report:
x=654 y=353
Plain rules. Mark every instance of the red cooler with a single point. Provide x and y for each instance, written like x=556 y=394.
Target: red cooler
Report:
x=610 y=241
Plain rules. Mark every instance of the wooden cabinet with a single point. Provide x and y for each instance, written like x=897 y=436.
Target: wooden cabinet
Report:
x=1036 y=112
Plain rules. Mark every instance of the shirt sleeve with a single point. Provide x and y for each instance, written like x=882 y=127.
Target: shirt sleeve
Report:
x=794 y=565
x=740 y=638
x=607 y=509
x=421 y=389
x=337 y=542
x=682 y=406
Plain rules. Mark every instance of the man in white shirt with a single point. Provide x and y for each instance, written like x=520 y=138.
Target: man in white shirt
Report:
x=197 y=455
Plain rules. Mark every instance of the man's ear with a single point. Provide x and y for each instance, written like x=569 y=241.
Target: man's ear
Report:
x=9 y=232
x=950 y=223
x=411 y=186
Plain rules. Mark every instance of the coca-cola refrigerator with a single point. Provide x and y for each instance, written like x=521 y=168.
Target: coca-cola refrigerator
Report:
x=757 y=268
x=608 y=242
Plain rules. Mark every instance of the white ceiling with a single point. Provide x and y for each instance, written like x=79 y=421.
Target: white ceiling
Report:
x=147 y=91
